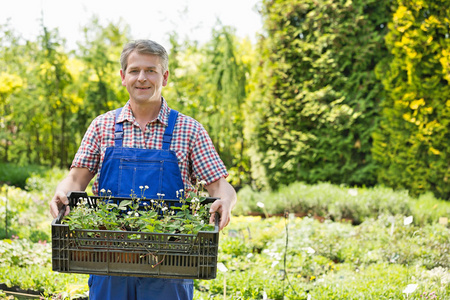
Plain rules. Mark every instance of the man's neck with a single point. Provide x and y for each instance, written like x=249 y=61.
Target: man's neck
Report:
x=145 y=112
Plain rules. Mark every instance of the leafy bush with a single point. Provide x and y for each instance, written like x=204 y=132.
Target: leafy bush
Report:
x=24 y=214
x=46 y=181
x=412 y=142
x=15 y=175
x=342 y=203
x=319 y=93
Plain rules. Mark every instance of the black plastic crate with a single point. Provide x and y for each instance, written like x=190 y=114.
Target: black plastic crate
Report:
x=131 y=253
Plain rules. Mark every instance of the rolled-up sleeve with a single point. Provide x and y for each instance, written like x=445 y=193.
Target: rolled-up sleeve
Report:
x=88 y=154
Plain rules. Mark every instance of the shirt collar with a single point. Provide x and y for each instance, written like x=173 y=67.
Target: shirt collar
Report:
x=163 y=116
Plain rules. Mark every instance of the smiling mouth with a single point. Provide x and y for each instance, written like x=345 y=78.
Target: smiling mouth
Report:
x=142 y=88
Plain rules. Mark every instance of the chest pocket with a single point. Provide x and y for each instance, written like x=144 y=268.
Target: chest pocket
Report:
x=134 y=174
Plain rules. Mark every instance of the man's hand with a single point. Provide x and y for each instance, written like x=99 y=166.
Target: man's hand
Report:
x=59 y=199
x=223 y=190
x=77 y=180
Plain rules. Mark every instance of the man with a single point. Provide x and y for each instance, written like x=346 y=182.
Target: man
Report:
x=146 y=143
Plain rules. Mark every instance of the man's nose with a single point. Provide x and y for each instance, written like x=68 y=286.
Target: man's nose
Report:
x=142 y=76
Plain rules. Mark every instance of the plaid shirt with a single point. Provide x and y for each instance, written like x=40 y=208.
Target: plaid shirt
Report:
x=197 y=157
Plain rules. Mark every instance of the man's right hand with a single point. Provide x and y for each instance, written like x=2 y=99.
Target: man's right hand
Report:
x=56 y=204
x=77 y=180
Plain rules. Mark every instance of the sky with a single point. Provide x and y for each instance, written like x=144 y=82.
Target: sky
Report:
x=148 y=19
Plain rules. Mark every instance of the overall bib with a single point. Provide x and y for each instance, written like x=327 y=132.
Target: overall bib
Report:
x=126 y=170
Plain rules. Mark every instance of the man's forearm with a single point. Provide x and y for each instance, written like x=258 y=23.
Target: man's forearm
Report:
x=223 y=190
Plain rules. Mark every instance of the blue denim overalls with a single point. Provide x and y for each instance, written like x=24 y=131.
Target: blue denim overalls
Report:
x=127 y=169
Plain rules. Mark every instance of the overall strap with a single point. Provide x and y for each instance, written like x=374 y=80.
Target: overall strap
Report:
x=118 y=131
x=167 y=138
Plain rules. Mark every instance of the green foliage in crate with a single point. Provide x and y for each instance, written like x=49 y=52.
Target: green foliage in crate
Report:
x=155 y=216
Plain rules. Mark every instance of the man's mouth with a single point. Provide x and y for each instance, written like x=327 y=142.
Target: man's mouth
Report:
x=143 y=88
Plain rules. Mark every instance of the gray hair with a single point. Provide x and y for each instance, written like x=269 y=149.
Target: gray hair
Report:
x=144 y=47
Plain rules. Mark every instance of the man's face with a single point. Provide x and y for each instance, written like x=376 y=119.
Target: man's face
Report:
x=144 y=78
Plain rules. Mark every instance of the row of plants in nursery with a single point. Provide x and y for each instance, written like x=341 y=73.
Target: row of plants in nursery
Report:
x=286 y=258
x=27 y=266
x=337 y=202
x=395 y=247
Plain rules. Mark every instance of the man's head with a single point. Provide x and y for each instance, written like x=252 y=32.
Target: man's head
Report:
x=144 y=47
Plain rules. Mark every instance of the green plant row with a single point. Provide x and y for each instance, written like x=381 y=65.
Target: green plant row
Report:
x=296 y=258
x=24 y=214
x=342 y=203
x=28 y=265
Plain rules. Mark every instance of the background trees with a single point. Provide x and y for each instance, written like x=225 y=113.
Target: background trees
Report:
x=351 y=92
x=320 y=100
x=411 y=144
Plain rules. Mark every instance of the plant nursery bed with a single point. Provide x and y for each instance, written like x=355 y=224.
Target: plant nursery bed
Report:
x=132 y=253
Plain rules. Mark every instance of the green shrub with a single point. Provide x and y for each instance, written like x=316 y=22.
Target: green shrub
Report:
x=15 y=175
x=319 y=93
x=411 y=144
x=27 y=214
x=342 y=203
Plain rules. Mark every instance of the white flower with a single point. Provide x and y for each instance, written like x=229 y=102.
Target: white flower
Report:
x=146 y=187
x=195 y=200
x=410 y=288
x=164 y=208
x=353 y=192
x=136 y=214
x=129 y=213
x=141 y=187
x=250 y=255
x=222 y=267
x=408 y=220
x=102 y=190
x=260 y=204
x=310 y=250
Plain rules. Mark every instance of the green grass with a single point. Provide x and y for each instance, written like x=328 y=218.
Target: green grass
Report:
x=376 y=257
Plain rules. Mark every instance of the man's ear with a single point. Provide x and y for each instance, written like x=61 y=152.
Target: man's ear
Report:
x=165 y=78
x=122 y=76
